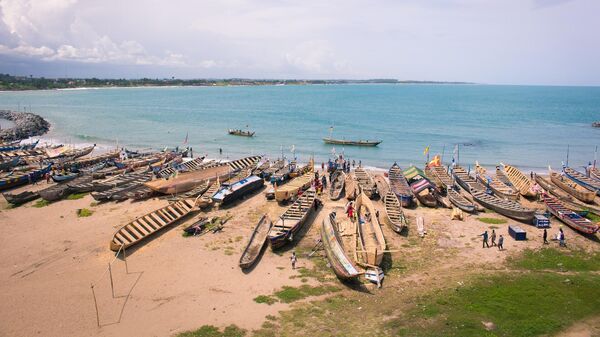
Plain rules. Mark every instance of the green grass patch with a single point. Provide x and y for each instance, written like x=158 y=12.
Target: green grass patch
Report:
x=553 y=259
x=292 y=294
x=265 y=299
x=41 y=203
x=84 y=212
x=492 y=221
x=94 y=204
x=212 y=331
x=76 y=196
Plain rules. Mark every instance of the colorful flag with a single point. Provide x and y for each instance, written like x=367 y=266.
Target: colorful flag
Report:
x=293 y=148
x=426 y=150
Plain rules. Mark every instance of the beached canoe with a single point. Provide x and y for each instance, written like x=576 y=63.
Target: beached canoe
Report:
x=500 y=189
x=341 y=264
x=350 y=187
x=582 y=179
x=290 y=190
x=336 y=184
x=242 y=133
x=570 y=218
x=147 y=225
x=365 y=182
x=237 y=189
x=371 y=242
x=594 y=173
x=275 y=166
x=119 y=190
x=188 y=166
x=64 y=177
x=16 y=146
x=399 y=185
x=572 y=188
x=256 y=242
x=422 y=188
x=519 y=180
x=20 y=198
x=460 y=201
x=352 y=142
x=8 y=163
x=18 y=178
x=394 y=215
x=292 y=219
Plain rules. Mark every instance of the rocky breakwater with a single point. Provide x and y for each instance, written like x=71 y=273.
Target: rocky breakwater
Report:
x=26 y=125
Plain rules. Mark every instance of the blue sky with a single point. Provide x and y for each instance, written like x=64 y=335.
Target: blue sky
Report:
x=552 y=42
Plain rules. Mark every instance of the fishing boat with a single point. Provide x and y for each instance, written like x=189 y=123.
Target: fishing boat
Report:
x=16 y=146
x=572 y=188
x=565 y=198
x=371 y=242
x=520 y=181
x=420 y=186
x=256 y=242
x=382 y=185
x=282 y=175
x=188 y=166
x=352 y=142
x=336 y=184
x=237 y=132
x=81 y=163
x=458 y=200
x=20 y=198
x=341 y=264
x=119 y=192
x=261 y=167
x=350 y=187
x=9 y=163
x=365 y=182
x=276 y=166
x=292 y=219
x=570 y=218
x=64 y=177
x=509 y=208
x=593 y=172
x=399 y=185
x=582 y=179
x=500 y=189
x=18 y=178
x=233 y=191
x=290 y=190
x=445 y=182
x=395 y=217
x=147 y=225
x=440 y=176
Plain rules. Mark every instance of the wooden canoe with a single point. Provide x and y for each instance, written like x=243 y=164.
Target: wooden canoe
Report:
x=399 y=185
x=500 y=189
x=594 y=172
x=292 y=219
x=371 y=242
x=459 y=201
x=570 y=218
x=352 y=142
x=350 y=187
x=565 y=198
x=241 y=133
x=382 y=185
x=582 y=179
x=395 y=217
x=20 y=198
x=340 y=262
x=256 y=242
x=18 y=178
x=290 y=190
x=189 y=166
x=572 y=188
x=519 y=180
x=366 y=183
x=336 y=184
x=187 y=181
x=145 y=226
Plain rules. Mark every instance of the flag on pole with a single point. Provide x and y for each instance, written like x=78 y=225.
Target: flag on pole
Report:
x=454 y=153
x=426 y=150
x=293 y=148
x=333 y=150
x=185 y=141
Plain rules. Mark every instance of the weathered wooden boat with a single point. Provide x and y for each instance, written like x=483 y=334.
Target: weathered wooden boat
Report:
x=445 y=182
x=188 y=166
x=500 y=189
x=572 y=188
x=371 y=242
x=365 y=182
x=281 y=175
x=81 y=163
x=147 y=225
x=64 y=177
x=582 y=179
x=205 y=199
x=459 y=201
x=350 y=187
x=119 y=193
x=395 y=217
x=69 y=152
x=299 y=171
x=242 y=133
x=141 y=192
x=570 y=218
x=290 y=190
x=7 y=164
x=238 y=189
x=336 y=184
x=275 y=166
x=23 y=153
x=131 y=164
x=117 y=180
x=382 y=185
x=509 y=208
x=19 y=178
x=565 y=198
x=352 y=142
x=440 y=176
x=16 y=146
x=520 y=181
x=187 y=181
x=256 y=242
x=399 y=185
x=261 y=167
x=421 y=187
x=82 y=184
x=292 y=219
x=594 y=173
x=20 y=198
x=341 y=264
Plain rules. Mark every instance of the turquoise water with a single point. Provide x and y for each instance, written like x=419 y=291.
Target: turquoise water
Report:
x=527 y=126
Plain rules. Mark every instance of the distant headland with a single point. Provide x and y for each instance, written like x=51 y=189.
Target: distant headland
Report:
x=15 y=83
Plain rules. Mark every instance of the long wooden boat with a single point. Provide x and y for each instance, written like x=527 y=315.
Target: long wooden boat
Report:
x=509 y=208
x=233 y=191
x=352 y=142
x=59 y=191
x=69 y=152
x=118 y=193
x=18 y=178
x=421 y=187
x=20 y=198
x=336 y=184
x=145 y=226
x=399 y=185
x=500 y=189
x=572 y=188
x=292 y=219
x=188 y=166
x=288 y=191
x=594 y=173
x=24 y=153
x=565 y=198
x=242 y=133
x=520 y=181
x=395 y=217
x=81 y=163
x=446 y=183
x=371 y=242
x=281 y=175
x=9 y=163
x=261 y=167
x=276 y=166
x=256 y=242
x=440 y=175
x=459 y=201
x=16 y=146
x=341 y=264
x=582 y=179
x=366 y=183
x=64 y=177
x=570 y=218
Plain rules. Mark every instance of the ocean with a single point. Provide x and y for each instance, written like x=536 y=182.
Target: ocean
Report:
x=527 y=126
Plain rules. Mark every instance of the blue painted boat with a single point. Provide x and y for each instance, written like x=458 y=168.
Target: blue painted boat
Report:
x=8 y=163
x=17 y=147
x=21 y=178
x=582 y=179
x=232 y=191
x=399 y=186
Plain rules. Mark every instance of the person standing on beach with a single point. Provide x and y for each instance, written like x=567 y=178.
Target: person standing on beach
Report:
x=485 y=240
x=360 y=163
x=220 y=151
x=294 y=259
x=545 y=236
x=324 y=181
x=493 y=237
x=501 y=243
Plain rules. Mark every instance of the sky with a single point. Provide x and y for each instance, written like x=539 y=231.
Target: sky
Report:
x=547 y=42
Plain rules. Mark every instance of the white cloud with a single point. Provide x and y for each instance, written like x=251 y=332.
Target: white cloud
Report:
x=316 y=56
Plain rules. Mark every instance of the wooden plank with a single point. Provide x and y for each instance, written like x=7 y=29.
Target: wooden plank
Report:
x=151 y=223
x=138 y=226
x=126 y=234
x=158 y=219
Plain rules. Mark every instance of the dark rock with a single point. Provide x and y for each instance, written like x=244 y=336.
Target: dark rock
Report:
x=26 y=125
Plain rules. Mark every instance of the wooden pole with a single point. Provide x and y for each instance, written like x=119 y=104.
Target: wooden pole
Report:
x=125 y=258
x=95 y=305
x=112 y=288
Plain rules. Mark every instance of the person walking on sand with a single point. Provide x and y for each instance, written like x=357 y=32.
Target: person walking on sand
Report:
x=324 y=181
x=545 y=236
x=485 y=240
x=353 y=163
x=493 y=237
x=501 y=242
x=294 y=259
x=562 y=239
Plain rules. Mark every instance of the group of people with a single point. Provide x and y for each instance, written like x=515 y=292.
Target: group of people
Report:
x=486 y=238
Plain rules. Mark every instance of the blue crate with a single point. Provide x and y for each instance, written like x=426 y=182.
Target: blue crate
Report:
x=517 y=233
x=541 y=221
